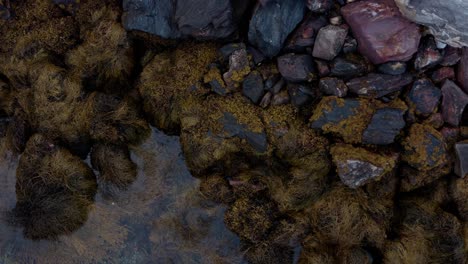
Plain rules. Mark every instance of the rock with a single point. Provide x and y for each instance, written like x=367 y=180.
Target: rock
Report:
x=428 y=55
x=393 y=68
x=377 y=85
x=382 y=33
x=319 y=6
x=296 y=68
x=435 y=120
x=357 y=166
x=333 y=86
x=227 y=50
x=272 y=22
x=280 y=98
x=330 y=40
x=278 y=86
x=349 y=66
x=266 y=100
x=257 y=56
x=424 y=97
x=461 y=152
x=385 y=125
x=336 y=20
x=462 y=74
x=454 y=102
x=350 y=45
x=322 y=68
x=239 y=67
x=215 y=80
x=443 y=74
x=452 y=56
x=174 y=19
x=257 y=140
x=304 y=35
x=445 y=20
x=252 y=87
x=300 y=94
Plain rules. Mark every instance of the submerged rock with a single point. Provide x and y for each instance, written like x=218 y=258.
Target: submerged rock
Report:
x=377 y=85
x=382 y=33
x=357 y=166
x=384 y=126
x=329 y=41
x=272 y=22
x=296 y=68
x=445 y=20
x=454 y=103
x=461 y=152
x=424 y=97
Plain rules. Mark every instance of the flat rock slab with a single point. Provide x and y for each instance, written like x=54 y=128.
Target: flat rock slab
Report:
x=446 y=20
x=272 y=22
x=385 y=125
x=202 y=19
x=382 y=33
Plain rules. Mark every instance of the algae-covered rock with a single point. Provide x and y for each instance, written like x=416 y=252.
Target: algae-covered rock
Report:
x=358 y=166
x=216 y=188
x=54 y=190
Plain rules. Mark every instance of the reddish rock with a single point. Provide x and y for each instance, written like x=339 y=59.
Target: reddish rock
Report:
x=423 y=97
x=442 y=74
x=454 y=102
x=461 y=152
x=304 y=35
x=428 y=55
x=333 y=86
x=382 y=33
x=451 y=57
x=296 y=68
x=435 y=120
x=462 y=75
x=330 y=40
x=378 y=85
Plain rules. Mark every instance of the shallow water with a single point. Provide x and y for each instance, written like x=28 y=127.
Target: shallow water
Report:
x=160 y=218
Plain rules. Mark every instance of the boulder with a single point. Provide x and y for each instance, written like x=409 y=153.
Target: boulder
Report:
x=443 y=74
x=304 y=35
x=428 y=55
x=319 y=6
x=382 y=33
x=349 y=66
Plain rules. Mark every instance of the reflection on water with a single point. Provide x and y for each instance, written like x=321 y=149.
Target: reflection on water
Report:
x=161 y=218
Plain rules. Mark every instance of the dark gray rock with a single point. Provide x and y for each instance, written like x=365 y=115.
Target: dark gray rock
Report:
x=385 y=125
x=177 y=18
x=377 y=85
x=333 y=86
x=339 y=112
x=428 y=55
x=272 y=22
x=393 y=68
x=239 y=67
x=296 y=68
x=454 y=102
x=424 y=97
x=461 y=153
x=349 y=66
x=446 y=19
x=252 y=87
x=329 y=41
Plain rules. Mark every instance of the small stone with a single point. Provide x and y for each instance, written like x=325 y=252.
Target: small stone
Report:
x=322 y=68
x=377 y=85
x=227 y=50
x=239 y=67
x=428 y=55
x=257 y=56
x=461 y=152
x=299 y=94
x=319 y=6
x=280 y=98
x=271 y=81
x=462 y=74
x=304 y=35
x=333 y=86
x=443 y=74
x=278 y=86
x=272 y=23
x=215 y=80
x=424 y=97
x=454 y=102
x=348 y=67
x=358 y=166
x=266 y=100
x=296 y=68
x=252 y=87
x=393 y=68
x=382 y=33
x=452 y=56
x=385 y=125
x=350 y=45
x=330 y=40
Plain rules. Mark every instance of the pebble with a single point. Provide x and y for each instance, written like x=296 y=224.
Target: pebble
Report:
x=454 y=102
x=333 y=86
x=296 y=68
x=252 y=87
x=329 y=41
x=424 y=97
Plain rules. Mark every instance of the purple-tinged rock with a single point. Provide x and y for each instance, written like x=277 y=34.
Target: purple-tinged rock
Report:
x=385 y=125
x=428 y=55
x=319 y=6
x=454 y=102
x=299 y=94
x=443 y=74
x=347 y=67
x=377 y=85
x=322 y=68
x=382 y=33
x=333 y=86
x=304 y=35
x=462 y=74
x=357 y=166
x=296 y=68
x=424 y=97
x=461 y=153
x=272 y=22
x=393 y=68
x=452 y=56
x=252 y=87
x=329 y=41
x=239 y=67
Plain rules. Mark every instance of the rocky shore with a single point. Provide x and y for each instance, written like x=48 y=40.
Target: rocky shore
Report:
x=337 y=127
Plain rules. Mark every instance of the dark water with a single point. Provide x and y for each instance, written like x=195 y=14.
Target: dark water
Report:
x=161 y=218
